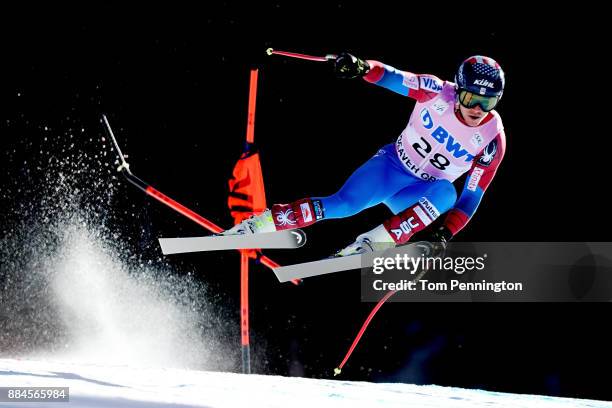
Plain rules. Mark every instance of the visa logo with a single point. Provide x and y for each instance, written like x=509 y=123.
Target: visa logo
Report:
x=431 y=84
x=442 y=136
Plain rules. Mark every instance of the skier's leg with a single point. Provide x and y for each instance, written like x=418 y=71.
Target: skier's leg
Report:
x=442 y=194
x=372 y=183
x=369 y=185
x=415 y=207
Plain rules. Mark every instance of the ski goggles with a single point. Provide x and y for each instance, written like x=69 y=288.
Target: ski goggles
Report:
x=470 y=100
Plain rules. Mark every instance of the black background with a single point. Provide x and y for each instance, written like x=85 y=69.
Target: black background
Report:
x=174 y=84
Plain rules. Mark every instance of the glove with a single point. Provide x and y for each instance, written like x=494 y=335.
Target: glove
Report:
x=442 y=235
x=348 y=66
x=438 y=239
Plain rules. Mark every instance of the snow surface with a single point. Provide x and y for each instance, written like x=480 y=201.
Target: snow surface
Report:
x=97 y=385
x=120 y=318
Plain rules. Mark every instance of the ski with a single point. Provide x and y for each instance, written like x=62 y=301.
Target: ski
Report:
x=346 y=263
x=271 y=240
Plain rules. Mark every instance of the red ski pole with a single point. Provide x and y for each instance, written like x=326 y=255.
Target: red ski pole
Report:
x=124 y=168
x=327 y=57
x=365 y=325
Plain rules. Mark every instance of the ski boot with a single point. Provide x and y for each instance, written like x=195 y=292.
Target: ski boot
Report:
x=377 y=239
x=255 y=224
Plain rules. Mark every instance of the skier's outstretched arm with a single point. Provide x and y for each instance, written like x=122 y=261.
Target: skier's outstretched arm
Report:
x=421 y=87
x=479 y=178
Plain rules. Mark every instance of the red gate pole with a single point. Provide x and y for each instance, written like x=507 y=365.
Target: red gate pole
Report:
x=244 y=257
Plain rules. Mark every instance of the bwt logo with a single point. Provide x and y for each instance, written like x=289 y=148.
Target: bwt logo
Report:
x=442 y=136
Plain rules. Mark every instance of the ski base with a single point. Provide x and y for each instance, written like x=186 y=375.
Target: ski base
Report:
x=346 y=263
x=288 y=239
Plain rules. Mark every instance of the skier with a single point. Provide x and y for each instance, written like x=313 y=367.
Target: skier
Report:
x=452 y=130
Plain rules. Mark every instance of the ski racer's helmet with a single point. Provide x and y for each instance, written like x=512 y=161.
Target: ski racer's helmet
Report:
x=480 y=81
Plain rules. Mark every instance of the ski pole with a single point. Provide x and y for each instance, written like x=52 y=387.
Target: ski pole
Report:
x=365 y=325
x=124 y=168
x=327 y=57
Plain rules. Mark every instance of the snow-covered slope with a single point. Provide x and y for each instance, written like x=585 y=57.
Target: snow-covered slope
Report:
x=95 y=385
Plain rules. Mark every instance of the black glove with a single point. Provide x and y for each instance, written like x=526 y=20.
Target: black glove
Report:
x=348 y=66
x=442 y=234
x=438 y=239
